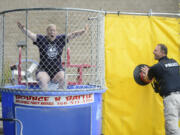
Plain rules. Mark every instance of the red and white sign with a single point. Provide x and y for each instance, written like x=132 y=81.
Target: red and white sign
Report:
x=54 y=100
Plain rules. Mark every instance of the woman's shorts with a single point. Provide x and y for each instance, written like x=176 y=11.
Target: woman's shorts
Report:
x=49 y=70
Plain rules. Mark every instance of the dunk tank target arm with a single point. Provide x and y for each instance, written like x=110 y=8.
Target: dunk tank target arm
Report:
x=79 y=67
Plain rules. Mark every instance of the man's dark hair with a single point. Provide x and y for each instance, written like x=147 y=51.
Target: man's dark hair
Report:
x=163 y=48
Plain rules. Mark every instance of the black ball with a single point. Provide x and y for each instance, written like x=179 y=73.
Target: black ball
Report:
x=137 y=72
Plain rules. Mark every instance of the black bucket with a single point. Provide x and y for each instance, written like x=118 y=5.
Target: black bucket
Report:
x=137 y=75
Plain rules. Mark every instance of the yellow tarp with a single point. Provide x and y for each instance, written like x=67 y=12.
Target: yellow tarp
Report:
x=128 y=108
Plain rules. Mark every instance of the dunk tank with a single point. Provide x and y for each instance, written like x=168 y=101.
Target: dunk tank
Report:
x=74 y=109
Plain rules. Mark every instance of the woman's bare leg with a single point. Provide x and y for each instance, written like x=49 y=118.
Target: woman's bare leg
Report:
x=59 y=78
x=43 y=79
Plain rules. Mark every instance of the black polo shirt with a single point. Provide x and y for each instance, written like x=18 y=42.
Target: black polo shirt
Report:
x=167 y=75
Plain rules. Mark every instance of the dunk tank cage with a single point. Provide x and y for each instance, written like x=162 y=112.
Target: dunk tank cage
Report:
x=74 y=110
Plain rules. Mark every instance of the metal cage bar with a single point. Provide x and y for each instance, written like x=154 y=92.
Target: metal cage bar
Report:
x=97 y=11
x=80 y=64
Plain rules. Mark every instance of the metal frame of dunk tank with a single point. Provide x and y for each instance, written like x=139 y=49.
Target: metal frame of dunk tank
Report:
x=95 y=66
x=72 y=111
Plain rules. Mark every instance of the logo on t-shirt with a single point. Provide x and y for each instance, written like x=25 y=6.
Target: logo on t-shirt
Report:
x=175 y=64
x=52 y=52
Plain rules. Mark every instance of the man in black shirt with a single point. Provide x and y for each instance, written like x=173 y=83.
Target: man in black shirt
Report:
x=167 y=83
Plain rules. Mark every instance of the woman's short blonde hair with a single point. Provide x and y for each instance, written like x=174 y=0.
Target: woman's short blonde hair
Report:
x=50 y=25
